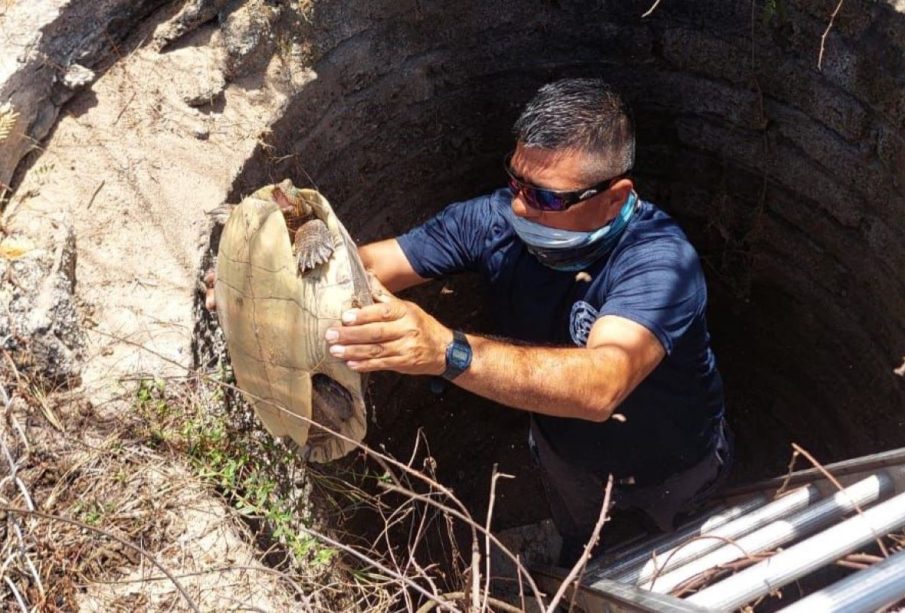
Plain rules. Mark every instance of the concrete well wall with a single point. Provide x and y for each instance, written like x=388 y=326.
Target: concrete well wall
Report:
x=788 y=178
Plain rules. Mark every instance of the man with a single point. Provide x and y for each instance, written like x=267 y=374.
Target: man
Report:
x=604 y=300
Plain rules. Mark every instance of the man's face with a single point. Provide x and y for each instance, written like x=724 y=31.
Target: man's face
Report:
x=565 y=170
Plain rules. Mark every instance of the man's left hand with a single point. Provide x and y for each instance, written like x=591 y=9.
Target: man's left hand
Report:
x=391 y=334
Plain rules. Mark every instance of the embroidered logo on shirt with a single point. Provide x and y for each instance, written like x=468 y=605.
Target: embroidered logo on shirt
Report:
x=582 y=318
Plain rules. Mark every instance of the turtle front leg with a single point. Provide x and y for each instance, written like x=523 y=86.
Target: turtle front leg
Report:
x=313 y=245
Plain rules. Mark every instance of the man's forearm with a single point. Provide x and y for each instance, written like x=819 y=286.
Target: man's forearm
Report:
x=563 y=382
x=580 y=382
x=386 y=261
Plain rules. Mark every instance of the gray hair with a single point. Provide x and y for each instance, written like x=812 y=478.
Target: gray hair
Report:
x=584 y=114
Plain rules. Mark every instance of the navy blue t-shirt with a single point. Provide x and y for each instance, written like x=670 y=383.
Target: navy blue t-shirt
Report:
x=652 y=276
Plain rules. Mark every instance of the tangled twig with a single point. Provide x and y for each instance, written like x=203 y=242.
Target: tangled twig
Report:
x=661 y=569
x=383 y=568
x=146 y=554
x=458 y=510
x=839 y=486
x=706 y=576
x=579 y=566
x=22 y=549
x=453 y=596
x=826 y=32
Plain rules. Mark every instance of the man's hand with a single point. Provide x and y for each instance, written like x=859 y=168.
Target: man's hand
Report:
x=391 y=334
x=210 y=299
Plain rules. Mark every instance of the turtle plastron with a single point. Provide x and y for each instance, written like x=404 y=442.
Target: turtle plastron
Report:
x=275 y=307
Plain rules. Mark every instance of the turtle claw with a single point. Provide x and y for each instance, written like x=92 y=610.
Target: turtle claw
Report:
x=221 y=213
x=313 y=245
x=313 y=259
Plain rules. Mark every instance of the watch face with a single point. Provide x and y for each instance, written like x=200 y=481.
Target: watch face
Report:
x=459 y=355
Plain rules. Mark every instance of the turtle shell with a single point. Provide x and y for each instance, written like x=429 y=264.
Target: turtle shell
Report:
x=275 y=317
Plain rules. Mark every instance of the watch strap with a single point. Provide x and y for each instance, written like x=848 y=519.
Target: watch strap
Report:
x=458 y=356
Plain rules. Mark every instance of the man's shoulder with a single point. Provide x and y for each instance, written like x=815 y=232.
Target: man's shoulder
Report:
x=654 y=249
x=490 y=203
x=461 y=236
x=655 y=233
x=483 y=216
x=653 y=221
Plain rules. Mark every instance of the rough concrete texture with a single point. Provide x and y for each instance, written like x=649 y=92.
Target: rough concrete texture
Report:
x=788 y=178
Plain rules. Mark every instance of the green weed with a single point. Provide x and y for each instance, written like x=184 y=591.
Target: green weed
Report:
x=247 y=468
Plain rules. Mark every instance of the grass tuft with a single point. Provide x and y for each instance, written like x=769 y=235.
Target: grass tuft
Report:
x=245 y=465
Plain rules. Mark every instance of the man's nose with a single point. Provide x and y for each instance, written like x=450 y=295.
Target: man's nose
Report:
x=521 y=208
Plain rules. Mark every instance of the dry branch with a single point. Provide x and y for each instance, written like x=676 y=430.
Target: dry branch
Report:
x=458 y=510
x=826 y=32
x=651 y=9
x=578 y=568
x=368 y=560
x=146 y=554
x=453 y=596
x=839 y=486
x=493 y=479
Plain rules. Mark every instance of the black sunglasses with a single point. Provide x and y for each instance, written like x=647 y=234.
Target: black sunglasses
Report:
x=549 y=199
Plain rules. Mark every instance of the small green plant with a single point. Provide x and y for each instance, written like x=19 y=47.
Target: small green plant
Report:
x=244 y=466
x=774 y=9
x=90 y=512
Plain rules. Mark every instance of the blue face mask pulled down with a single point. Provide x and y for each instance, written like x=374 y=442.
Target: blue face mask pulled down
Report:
x=568 y=250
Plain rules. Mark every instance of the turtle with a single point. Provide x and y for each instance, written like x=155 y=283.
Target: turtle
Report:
x=275 y=301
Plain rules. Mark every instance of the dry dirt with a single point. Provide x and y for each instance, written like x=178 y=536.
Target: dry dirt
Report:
x=106 y=474
x=123 y=169
x=133 y=168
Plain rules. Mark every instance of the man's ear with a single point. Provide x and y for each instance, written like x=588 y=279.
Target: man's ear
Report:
x=620 y=191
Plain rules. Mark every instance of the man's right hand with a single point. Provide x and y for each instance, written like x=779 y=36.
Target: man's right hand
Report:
x=210 y=299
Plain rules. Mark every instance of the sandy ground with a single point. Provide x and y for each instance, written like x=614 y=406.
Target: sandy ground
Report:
x=134 y=170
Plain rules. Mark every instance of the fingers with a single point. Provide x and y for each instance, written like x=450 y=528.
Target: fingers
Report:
x=364 y=351
x=394 y=363
x=379 y=312
x=394 y=355
x=210 y=299
x=390 y=334
x=378 y=291
x=370 y=333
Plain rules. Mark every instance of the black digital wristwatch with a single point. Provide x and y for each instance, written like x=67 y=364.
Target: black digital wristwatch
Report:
x=458 y=356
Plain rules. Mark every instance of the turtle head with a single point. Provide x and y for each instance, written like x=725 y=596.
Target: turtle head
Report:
x=290 y=200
